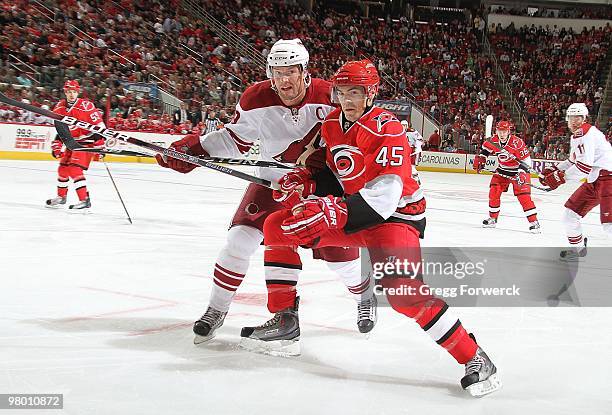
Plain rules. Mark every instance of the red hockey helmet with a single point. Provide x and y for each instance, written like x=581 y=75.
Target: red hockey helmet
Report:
x=361 y=73
x=72 y=84
x=503 y=126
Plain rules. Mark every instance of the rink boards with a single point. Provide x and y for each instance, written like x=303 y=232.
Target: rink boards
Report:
x=33 y=142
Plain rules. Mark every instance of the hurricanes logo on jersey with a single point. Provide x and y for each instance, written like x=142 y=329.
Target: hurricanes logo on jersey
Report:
x=348 y=161
x=383 y=118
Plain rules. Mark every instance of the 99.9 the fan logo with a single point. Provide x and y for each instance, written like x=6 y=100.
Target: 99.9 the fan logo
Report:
x=22 y=132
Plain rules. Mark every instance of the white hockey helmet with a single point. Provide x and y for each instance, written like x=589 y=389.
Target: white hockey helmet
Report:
x=287 y=53
x=578 y=108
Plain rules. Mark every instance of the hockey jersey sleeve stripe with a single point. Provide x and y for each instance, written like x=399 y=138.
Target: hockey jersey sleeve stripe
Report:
x=585 y=168
x=238 y=139
x=243 y=146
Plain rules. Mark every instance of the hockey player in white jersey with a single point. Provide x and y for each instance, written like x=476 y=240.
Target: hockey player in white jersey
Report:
x=285 y=114
x=415 y=140
x=590 y=157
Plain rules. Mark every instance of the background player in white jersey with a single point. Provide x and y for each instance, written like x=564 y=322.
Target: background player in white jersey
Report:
x=415 y=139
x=285 y=113
x=590 y=157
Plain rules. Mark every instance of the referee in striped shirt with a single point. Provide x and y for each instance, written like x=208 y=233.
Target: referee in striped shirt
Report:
x=211 y=122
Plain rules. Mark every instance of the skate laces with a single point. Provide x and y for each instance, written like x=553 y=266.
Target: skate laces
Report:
x=365 y=310
x=212 y=316
x=274 y=320
x=475 y=365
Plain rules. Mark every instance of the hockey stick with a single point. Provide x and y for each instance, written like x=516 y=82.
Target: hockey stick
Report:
x=505 y=176
x=74 y=146
x=108 y=133
x=118 y=194
x=103 y=151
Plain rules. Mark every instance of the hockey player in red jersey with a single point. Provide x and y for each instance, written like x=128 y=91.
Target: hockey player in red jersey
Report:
x=368 y=198
x=285 y=113
x=508 y=172
x=73 y=164
x=591 y=158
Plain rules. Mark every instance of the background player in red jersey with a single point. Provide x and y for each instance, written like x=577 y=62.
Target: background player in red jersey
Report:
x=368 y=198
x=74 y=163
x=507 y=173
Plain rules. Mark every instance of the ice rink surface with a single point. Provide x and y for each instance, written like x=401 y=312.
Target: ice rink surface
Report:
x=101 y=310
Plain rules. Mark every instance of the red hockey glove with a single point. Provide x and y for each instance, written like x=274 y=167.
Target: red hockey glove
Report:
x=190 y=144
x=480 y=161
x=99 y=143
x=312 y=218
x=294 y=187
x=56 y=149
x=553 y=177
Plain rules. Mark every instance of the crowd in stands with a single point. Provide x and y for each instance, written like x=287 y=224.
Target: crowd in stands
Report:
x=441 y=66
x=105 y=44
x=550 y=68
x=591 y=12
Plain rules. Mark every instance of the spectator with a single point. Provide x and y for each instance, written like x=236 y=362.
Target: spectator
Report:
x=181 y=115
x=434 y=140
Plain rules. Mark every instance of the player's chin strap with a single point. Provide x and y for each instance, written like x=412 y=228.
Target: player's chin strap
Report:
x=110 y=134
x=524 y=166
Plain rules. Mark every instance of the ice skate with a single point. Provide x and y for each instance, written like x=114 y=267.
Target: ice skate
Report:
x=534 y=227
x=279 y=336
x=366 y=314
x=574 y=254
x=206 y=327
x=83 y=205
x=55 y=202
x=489 y=223
x=480 y=375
